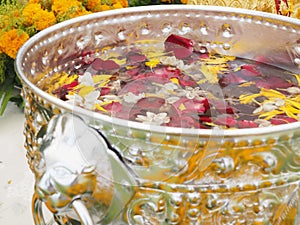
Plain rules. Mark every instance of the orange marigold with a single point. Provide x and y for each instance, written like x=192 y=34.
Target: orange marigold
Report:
x=93 y=5
x=117 y=6
x=67 y=9
x=123 y=3
x=105 y=7
x=11 y=41
x=35 y=15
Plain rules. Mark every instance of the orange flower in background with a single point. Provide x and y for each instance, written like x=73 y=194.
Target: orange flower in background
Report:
x=35 y=15
x=11 y=41
x=67 y=9
x=93 y=5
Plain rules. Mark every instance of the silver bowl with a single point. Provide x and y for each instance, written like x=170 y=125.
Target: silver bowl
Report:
x=97 y=169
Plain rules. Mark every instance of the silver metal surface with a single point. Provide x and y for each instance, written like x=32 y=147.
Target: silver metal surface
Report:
x=156 y=174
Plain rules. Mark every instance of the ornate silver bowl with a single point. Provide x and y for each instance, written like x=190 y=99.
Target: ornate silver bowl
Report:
x=94 y=169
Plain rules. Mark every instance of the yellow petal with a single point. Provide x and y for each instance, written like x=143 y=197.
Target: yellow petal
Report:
x=246 y=98
x=152 y=63
x=100 y=108
x=85 y=90
x=174 y=80
x=269 y=93
x=271 y=114
x=298 y=78
x=101 y=78
x=182 y=107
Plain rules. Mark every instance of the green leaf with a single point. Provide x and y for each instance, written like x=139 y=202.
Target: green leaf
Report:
x=6 y=90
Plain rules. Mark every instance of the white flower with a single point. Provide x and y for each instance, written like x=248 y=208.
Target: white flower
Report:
x=132 y=98
x=263 y=123
x=152 y=118
x=270 y=106
x=109 y=98
x=86 y=79
x=293 y=90
x=192 y=93
x=91 y=99
x=74 y=99
x=116 y=85
x=167 y=88
x=88 y=102
x=172 y=99
x=173 y=61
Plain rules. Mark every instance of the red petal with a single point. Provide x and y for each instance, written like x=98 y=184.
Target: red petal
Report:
x=282 y=120
x=104 y=91
x=180 y=41
x=183 y=121
x=250 y=70
x=150 y=103
x=231 y=78
x=225 y=121
x=272 y=83
x=180 y=46
x=134 y=58
x=110 y=65
x=97 y=64
x=113 y=107
x=246 y=124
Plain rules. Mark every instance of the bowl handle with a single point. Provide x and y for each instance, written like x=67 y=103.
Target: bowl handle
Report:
x=78 y=206
x=78 y=174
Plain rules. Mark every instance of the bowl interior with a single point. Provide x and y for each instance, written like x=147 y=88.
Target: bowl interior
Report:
x=236 y=32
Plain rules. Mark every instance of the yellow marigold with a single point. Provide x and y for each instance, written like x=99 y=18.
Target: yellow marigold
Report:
x=105 y=7
x=29 y=11
x=93 y=4
x=44 y=19
x=11 y=41
x=35 y=15
x=66 y=9
x=117 y=6
x=34 y=1
x=123 y=3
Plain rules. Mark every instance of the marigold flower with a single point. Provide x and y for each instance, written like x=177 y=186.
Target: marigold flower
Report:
x=105 y=8
x=93 y=5
x=11 y=41
x=35 y=15
x=66 y=9
x=117 y=6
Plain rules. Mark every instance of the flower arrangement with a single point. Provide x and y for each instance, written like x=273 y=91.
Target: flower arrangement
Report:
x=19 y=20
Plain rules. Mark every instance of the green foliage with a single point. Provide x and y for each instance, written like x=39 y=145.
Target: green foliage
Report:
x=10 y=85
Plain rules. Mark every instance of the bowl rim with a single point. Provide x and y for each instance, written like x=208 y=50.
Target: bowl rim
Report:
x=137 y=125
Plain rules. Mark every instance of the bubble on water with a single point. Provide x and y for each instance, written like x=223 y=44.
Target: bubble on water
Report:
x=166 y=28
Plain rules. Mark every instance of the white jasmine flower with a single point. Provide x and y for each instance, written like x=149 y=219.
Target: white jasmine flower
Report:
x=88 y=102
x=91 y=99
x=74 y=99
x=109 y=98
x=116 y=85
x=192 y=93
x=152 y=118
x=132 y=98
x=293 y=90
x=167 y=88
x=86 y=79
x=263 y=123
x=172 y=99
x=270 y=106
x=173 y=61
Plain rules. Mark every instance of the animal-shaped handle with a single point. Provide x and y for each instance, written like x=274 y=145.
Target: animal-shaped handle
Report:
x=79 y=176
